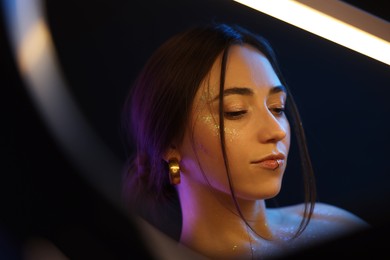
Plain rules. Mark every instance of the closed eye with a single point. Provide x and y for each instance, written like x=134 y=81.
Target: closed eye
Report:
x=277 y=110
x=232 y=115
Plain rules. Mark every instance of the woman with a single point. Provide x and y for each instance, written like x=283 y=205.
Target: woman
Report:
x=208 y=120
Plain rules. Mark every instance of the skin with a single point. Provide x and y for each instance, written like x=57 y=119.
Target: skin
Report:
x=255 y=127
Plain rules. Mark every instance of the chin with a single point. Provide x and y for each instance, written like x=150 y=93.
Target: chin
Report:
x=260 y=194
x=269 y=190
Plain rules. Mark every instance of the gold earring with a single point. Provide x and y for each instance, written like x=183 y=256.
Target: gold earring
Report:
x=174 y=171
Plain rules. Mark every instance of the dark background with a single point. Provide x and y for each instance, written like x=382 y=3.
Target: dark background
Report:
x=101 y=45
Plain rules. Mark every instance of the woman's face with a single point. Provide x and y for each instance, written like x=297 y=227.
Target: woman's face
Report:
x=257 y=132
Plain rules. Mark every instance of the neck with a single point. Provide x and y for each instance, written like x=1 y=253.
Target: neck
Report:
x=212 y=225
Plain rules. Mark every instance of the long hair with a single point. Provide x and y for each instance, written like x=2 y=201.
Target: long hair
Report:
x=157 y=111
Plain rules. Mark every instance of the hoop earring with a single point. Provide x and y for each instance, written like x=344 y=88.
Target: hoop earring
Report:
x=174 y=171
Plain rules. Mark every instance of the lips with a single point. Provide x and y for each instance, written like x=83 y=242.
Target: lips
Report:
x=270 y=164
x=272 y=161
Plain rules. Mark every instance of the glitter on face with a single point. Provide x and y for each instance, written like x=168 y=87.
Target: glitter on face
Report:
x=207 y=117
x=231 y=134
x=210 y=120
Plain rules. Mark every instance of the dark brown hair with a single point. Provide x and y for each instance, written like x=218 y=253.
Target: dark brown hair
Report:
x=156 y=113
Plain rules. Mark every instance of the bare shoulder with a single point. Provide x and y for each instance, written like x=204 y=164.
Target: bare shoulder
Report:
x=327 y=219
x=333 y=215
x=327 y=222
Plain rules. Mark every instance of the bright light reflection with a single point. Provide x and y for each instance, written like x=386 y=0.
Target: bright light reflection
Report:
x=324 y=25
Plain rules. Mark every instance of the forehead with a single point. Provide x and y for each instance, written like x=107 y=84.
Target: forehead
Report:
x=246 y=63
x=246 y=66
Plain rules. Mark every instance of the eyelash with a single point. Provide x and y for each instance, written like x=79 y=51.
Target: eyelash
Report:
x=277 y=110
x=233 y=115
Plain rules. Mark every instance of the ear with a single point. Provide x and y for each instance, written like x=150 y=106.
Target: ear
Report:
x=170 y=153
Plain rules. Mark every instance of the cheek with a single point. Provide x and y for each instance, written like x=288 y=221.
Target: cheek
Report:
x=208 y=124
x=231 y=135
x=206 y=135
x=208 y=157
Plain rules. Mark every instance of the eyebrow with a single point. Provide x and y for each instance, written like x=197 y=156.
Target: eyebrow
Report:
x=249 y=92
x=277 y=89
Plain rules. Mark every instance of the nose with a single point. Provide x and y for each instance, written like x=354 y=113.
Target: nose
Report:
x=272 y=128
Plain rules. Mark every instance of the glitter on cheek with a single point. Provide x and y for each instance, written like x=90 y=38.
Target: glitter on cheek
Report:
x=213 y=124
x=231 y=134
x=207 y=117
x=210 y=121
